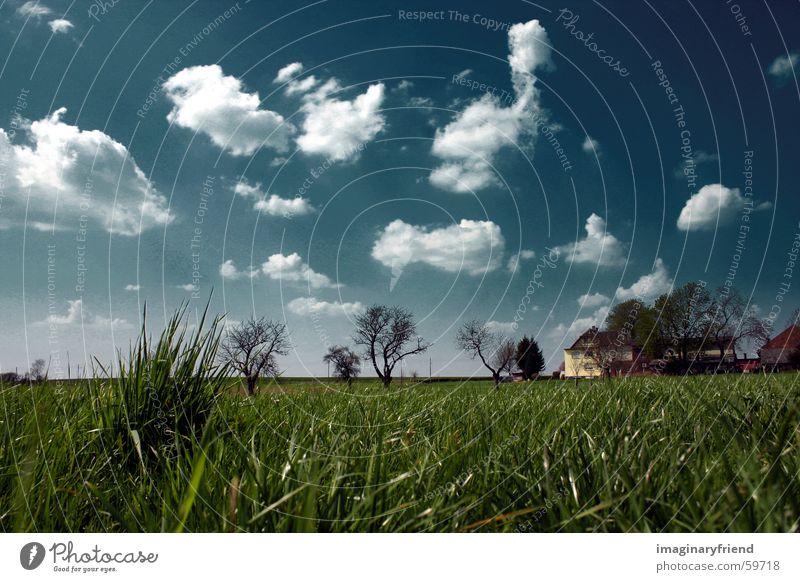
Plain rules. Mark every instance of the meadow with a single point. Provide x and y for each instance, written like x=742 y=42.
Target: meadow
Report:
x=169 y=444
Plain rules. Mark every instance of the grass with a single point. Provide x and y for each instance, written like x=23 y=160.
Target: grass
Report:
x=646 y=454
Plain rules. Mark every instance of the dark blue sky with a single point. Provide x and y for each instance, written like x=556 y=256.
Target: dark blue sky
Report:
x=413 y=153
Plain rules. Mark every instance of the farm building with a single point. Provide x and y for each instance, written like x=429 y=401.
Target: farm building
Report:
x=597 y=352
x=775 y=354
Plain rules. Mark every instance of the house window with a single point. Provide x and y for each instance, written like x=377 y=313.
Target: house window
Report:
x=576 y=354
x=588 y=367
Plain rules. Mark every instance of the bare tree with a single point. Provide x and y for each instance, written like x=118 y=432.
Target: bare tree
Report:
x=732 y=322
x=38 y=371
x=388 y=335
x=251 y=348
x=495 y=351
x=346 y=363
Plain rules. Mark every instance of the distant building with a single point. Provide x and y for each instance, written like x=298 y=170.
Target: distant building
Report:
x=705 y=356
x=603 y=353
x=775 y=353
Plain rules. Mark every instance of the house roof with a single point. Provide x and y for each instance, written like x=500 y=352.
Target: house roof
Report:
x=594 y=336
x=788 y=339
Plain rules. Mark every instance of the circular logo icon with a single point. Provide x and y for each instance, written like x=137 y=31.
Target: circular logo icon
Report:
x=31 y=555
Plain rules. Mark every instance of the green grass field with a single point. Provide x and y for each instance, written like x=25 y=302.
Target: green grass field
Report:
x=661 y=454
x=168 y=445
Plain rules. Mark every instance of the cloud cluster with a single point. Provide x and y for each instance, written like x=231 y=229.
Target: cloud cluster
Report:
x=273 y=204
x=599 y=247
x=37 y=11
x=78 y=315
x=469 y=144
x=473 y=246
x=338 y=128
x=312 y=306
x=68 y=173
x=514 y=260
x=591 y=301
x=648 y=287
x=206 y=100
x=280 y=267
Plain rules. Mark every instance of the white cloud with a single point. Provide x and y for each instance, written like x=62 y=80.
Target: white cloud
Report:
x=710 y=203
x=783 y=67
x=514 y=260
x=60 y=25
x=594 y=300
x=68 y=173
x=288 y=72
x=591 y=146
x=338 y=128
x=469 y=144
x=273 y=204
x=208 y=101
x=34 y=9
x=472 y=246
x=295 y=87
x=599 y=247
x=649 y=286
x=578 y=326
x=132 y=287
x=292 y=268
x=313 y=306
x=188 y=287
x=228 y=270
x=77 y=314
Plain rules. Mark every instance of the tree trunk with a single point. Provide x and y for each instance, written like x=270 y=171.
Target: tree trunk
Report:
x=251 y=384
x=496 y=381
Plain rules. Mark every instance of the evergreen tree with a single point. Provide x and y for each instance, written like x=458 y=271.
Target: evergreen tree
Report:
x=530 y=359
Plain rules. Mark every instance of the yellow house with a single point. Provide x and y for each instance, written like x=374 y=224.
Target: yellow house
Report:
x=597 y=352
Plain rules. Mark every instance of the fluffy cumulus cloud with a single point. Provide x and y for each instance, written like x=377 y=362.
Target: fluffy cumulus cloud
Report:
x=311 y=306
x=208 y=101
x=599 y=247
x=288 y=72
x=473 y=246
x=514 y=260
x=569 y=332
x=649 y=286
x=229 y=270
x=60 y=25
x=273 y=204
x=132 y=287
x=593 y=300
x=339 y=128
x=33 y=9
x=710 y=204
x=292 y=268
x=783 y=67
x=64 y=172
x=78 y=315
x=469 y=144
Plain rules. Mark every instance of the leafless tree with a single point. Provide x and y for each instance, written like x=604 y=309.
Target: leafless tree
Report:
x=346 y=363
x=38 y=372
x=251 y=348
x=732 y=322
x=388 y=335
x=495 y=351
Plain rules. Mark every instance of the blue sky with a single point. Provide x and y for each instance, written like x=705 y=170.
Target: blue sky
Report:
x=518 y=162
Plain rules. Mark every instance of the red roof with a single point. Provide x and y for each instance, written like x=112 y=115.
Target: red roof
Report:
x=788 y=339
